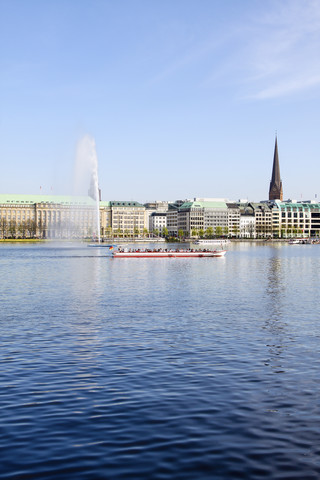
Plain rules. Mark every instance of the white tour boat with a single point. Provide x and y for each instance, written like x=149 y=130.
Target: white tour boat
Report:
x=211 y=241
x=166 y=253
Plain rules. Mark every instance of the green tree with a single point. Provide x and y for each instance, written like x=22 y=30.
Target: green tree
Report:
x=156 y=232
x=4 y=227
x=201 y=232
x=194 y=232
x=136 y=232
x=218 y=231
x=145 y=232
x=181 y=233
x=12 y=228
x=22 y=229
x=225 y=231
x=209 y=232
x=165 y=232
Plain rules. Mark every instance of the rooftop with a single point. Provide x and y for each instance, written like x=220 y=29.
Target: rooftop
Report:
x=49 y=199
x=203 y=204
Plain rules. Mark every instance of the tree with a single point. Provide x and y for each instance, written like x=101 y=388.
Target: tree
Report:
x=165 y=232
x=136 y=232
x=31 y=228
x=225 y=231
x=12 y=228
x=4 y=227
x=156 y=232
x=218 y=231
x=201 y=232
x=181 y=233
x=194 y=232
x=40 y=226
x=209 y=232
x=235 y=230
x=145 y=232
x=22 y=229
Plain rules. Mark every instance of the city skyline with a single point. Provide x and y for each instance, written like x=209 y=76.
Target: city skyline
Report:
x=183 y=99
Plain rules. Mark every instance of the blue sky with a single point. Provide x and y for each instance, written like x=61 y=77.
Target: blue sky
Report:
x=182 y=97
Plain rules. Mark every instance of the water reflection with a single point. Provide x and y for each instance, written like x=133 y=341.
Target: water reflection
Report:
x=274 y=323
x=275 y=289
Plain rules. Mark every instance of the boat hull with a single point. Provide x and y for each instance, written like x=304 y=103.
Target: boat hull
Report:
x=173 y=254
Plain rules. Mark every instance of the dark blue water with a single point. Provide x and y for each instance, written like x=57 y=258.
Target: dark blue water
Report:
x=173 y=369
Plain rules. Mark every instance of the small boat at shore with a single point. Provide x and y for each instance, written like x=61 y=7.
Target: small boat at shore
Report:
x=167 y=253
x=300 y=241
x=211 y=241
x=99 y=245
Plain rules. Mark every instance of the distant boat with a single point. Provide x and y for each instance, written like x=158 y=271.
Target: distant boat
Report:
x=300 y=241
x=99 y=245
x=211 y=241
x=166 y=253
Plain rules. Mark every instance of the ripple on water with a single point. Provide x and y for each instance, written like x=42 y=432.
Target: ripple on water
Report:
x=168 y=370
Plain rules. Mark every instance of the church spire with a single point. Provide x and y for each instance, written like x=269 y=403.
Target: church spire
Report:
x=275 y=190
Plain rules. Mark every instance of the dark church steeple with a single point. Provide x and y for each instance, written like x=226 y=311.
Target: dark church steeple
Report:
x=275 y=190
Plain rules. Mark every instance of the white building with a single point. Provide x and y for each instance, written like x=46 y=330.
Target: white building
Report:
x=157 y=222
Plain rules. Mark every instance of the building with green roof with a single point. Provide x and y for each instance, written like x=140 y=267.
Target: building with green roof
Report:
x=208 y=217
x=46 y=216
x=292 y=218
x=66 y=216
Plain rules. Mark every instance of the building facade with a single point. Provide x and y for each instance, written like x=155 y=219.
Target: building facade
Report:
x=209 y=217
x=158 y=223
x=46 y=216
x=172 y=219
x=292 y=219
x=54 y=216
x=128 y=218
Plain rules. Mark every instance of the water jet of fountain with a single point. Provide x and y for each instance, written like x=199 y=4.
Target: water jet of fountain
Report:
x=87 y=170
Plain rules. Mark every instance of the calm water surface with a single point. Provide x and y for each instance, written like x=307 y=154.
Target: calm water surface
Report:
x=173 y=369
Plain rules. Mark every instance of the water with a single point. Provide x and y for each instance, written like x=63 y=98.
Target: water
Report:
x=159 y=368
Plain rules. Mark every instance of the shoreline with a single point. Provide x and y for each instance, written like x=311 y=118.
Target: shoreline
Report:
x=140 y=240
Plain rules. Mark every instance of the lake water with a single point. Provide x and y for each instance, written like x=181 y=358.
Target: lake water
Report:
x=205 y=368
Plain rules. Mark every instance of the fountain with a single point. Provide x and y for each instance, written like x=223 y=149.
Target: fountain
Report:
x=87 y=167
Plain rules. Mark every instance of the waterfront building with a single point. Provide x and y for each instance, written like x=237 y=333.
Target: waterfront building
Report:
x=233 y=219
x=275 y=189
x=263 y=219
x=247 y=224
x=66 y=216
x=157 y=206
x=128 y=218
x=105 y=219
x=292 y=218
x=46 y=216
x=172 y=219
x=157 y=222
x=208 y=216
